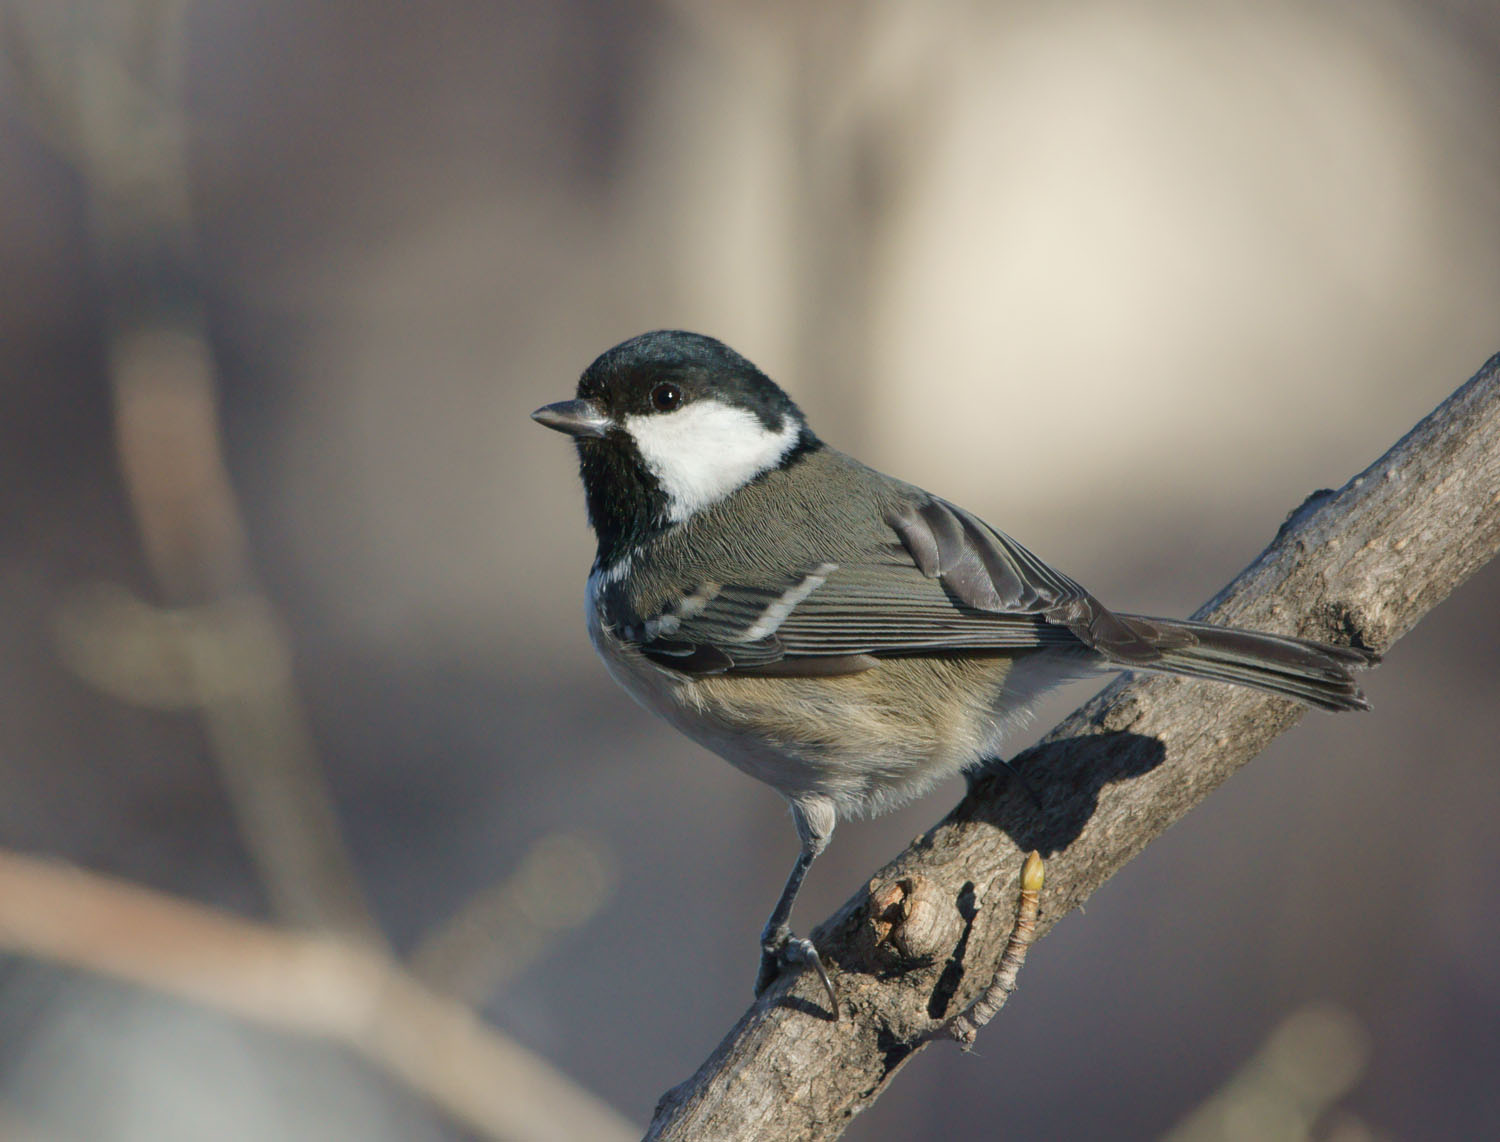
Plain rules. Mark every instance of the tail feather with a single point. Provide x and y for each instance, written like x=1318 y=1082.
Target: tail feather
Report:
x=1314 y=672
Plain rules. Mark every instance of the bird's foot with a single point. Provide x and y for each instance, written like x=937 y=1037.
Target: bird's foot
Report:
x=781 y=951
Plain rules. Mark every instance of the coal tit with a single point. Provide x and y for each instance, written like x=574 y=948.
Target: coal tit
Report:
x=845 y=637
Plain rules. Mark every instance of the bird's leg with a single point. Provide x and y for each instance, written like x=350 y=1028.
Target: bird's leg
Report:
x=779 y=949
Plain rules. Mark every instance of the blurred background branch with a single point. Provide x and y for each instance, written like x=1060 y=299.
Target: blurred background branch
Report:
x=308 y=985
x=103 y=81
x=562 y=883
x=1290 y=1088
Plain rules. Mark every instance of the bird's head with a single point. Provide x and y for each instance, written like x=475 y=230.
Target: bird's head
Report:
x=668 y=424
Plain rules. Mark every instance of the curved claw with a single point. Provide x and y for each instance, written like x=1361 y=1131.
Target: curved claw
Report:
x=789 y=951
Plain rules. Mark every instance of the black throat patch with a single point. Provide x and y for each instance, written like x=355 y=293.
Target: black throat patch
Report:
x=626 y=504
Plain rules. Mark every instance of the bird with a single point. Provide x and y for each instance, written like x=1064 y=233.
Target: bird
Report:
x=845 y=637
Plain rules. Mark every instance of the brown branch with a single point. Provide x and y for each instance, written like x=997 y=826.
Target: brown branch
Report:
x=319 y=986
x=1361 y=565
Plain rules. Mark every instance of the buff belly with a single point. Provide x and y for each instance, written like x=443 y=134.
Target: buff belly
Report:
x=866 y=741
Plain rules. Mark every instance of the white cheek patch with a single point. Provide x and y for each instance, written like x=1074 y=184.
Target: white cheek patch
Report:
x=705 y=450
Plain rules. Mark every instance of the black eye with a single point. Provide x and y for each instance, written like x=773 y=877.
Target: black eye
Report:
x=665 y=397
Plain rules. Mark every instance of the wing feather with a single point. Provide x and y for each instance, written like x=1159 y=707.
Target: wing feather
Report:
x=951 y=585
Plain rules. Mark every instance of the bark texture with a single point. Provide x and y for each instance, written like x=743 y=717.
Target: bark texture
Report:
x=1361 y=565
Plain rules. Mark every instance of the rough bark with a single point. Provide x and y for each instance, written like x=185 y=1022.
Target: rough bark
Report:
x=1361 y=565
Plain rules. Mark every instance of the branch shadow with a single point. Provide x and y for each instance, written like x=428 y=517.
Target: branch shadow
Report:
x=1043 y=799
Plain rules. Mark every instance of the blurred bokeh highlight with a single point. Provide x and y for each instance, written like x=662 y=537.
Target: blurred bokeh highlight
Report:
x=306 y=760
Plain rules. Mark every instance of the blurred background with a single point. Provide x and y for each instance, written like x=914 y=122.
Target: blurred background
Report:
x=298 y=714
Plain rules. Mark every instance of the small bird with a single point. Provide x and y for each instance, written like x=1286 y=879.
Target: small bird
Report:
x=847 y=638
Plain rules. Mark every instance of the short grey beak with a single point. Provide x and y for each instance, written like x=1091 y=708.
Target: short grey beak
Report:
x=575 y=417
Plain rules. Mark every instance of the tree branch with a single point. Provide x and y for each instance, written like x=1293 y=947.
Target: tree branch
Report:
x=1362 y=565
